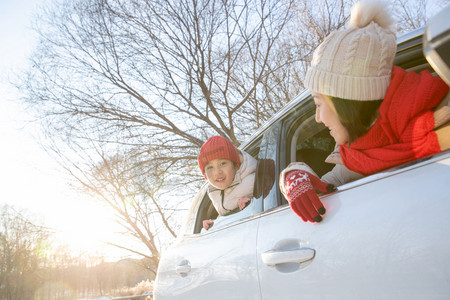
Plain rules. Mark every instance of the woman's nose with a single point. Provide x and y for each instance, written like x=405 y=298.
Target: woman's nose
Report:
x=318 y=117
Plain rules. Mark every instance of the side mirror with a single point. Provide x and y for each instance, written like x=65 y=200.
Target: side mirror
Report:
x=436 y=43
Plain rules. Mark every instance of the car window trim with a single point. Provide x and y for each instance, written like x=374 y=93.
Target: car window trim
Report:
x=405 y=167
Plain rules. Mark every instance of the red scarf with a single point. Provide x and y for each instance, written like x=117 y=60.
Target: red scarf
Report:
x=403 y=130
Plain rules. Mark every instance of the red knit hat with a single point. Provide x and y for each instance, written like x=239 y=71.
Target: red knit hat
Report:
x=217 y=147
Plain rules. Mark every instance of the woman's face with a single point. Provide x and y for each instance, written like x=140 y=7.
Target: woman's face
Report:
x=326 y=114
x=220 y=173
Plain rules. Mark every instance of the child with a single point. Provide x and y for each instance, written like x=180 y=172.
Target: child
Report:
x=230 y=173
x=379 y=114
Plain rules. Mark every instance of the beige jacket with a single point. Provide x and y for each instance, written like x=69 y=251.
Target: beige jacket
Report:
x=242 y=186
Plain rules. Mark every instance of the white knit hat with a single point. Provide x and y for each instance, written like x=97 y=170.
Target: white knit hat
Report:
x=355 y=63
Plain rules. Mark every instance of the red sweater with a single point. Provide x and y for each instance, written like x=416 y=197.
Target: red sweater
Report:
x=403 y=130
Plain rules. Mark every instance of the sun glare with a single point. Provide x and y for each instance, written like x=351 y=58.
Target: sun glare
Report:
x=89 y=229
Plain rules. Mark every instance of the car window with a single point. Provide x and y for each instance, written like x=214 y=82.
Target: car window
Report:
x=269 y=168
x=311 y=143
x=203 y=209
x=302 y=139
x=299 y=138
x=306 y=140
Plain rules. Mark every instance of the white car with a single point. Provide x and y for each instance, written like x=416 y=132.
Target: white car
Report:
x=386 y=236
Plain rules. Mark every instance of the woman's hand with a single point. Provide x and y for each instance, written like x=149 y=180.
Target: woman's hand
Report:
x=300 y=191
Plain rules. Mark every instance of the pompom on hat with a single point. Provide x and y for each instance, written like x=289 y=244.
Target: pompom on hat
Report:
x=356 y=63
x=217 y=147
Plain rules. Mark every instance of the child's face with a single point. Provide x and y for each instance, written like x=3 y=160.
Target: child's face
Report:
x=220 y=173
x=326 y=114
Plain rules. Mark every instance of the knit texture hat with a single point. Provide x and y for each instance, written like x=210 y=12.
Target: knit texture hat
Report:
x=217 y=147
x=355 y=63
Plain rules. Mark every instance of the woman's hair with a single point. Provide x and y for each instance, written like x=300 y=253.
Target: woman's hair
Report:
x=356 y=116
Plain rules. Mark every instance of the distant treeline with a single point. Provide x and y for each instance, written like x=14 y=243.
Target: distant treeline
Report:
x=31 y=269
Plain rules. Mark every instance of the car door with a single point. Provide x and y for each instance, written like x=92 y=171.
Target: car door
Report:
x=383 y=237
x=219 y=263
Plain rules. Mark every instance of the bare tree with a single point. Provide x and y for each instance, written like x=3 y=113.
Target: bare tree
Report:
x=311 y=22
x=129 y=90
x=412 y=14
x=21 y=245
x=133 y=196
x=156 y=74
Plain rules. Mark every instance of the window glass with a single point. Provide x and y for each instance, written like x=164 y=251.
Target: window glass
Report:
x=269 y=171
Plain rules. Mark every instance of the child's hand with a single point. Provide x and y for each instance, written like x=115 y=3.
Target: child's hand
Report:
x=243 y=202
x=207 y=224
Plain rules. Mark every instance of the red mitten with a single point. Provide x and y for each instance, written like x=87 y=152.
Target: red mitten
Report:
x=299 y=190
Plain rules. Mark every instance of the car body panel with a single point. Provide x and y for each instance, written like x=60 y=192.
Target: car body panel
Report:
x=216 y=269
x=391 y=244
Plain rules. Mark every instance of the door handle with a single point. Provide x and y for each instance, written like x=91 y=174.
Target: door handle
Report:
x=183 y=268
x=275 y=257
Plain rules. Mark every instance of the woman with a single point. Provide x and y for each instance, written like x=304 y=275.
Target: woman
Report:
x=379 y=114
